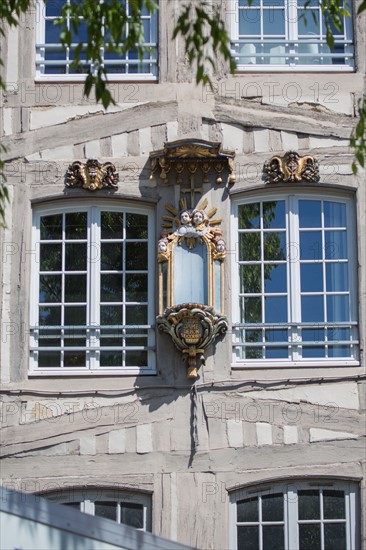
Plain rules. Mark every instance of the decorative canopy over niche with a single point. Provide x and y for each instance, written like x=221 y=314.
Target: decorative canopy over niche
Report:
x=192 y=156
x=92 y=175
x=291 y=167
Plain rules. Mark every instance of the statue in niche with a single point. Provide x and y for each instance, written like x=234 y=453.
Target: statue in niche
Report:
x=188 y=225
x=191 y=253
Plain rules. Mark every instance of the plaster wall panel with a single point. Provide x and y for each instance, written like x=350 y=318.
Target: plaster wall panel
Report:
x=87 y=445
x=92 y=149
x=117 y=441
x=261 y=140
x=119 y=145
x=144 y=443
x=264 y=433
x=290 y=435
x=232 y=137
x=235 y=433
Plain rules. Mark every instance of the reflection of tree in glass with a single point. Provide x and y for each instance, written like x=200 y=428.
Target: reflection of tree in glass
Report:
x=136 y=226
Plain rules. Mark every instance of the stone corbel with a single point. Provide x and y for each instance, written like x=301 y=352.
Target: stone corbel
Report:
x=192 y=327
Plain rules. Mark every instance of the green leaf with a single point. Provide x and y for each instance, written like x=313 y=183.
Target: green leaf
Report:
x=361 y=8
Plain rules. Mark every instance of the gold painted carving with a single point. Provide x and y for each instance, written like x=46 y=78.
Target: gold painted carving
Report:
x=189 y=225
x=192 y=155
x=292 y=168
x=192 y=327
x=92 y=175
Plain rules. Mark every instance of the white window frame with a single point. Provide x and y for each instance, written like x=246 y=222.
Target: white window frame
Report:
x=93 y=294
x=291 y=41
x=135 y=77
x=88 y=497
x=289 y=489
x=293 y=283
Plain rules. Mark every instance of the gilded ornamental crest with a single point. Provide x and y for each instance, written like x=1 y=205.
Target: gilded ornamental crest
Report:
x=292 y=168
x=92 y=175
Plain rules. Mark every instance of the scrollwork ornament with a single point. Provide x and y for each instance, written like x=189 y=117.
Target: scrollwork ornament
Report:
x=292 y=168
x=192 y=328
x=92 y=175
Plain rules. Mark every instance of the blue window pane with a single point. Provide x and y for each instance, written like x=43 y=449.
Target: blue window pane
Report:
x=339 y=351
x=337 y=334
x=249 y=22
x=313 y=352
x=274 y=215
x=311 y=277
x=52 y=33
x=275 y=309
x=276 y=335
x=315 y=335
x=312 y=309
x=310 y=245
x=55 y=55
x=335 y=245
x=334 y=214
x=337 y=277
x=306 y=23
x=338 y=308
x=310 y=213
x=53 y=7
x=275 y=278
x=274 y=22
x=80 y=35
x=276 y=353
x=274 y=3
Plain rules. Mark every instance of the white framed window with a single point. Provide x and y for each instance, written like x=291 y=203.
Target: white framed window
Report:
x=280 y=35
x=53 y=62
x=92 y=309
x=295 y=516
x=294 y=281
x=129 y=508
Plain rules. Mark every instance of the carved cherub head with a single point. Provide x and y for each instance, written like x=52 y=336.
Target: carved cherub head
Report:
x=162 y=245
x=220 y=246
x=185 y=217
x=198 y=217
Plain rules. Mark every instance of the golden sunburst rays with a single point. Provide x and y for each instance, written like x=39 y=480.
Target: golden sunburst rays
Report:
x=173 y=218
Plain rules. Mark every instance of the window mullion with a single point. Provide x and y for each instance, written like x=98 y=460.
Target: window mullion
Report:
x=93 y=314
x=294 y=268
x=291 y=517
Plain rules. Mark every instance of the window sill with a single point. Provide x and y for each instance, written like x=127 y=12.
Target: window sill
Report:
x=71 y=372
x=285 y=364
x=81 y=78
x=296 y=69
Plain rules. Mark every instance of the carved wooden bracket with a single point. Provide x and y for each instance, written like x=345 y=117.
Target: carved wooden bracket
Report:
x=192 y=155
x=292 y=168
x=92 y=175
x=192 y=327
